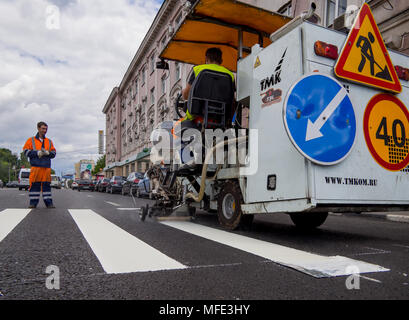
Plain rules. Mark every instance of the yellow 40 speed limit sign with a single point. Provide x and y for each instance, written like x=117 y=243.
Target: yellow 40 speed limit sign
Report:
x=386 y=129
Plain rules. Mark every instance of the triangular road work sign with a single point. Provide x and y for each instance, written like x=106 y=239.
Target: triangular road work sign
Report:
x=364 y=58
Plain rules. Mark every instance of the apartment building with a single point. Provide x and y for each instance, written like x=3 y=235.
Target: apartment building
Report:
x=146 y=96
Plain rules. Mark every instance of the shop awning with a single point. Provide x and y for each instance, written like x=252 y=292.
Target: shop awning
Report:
x=225 y=24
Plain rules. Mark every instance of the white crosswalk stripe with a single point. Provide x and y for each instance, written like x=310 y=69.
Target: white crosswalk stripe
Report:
x=121 y=252
x=117 y=250
x=9 y=219
x=315 y=265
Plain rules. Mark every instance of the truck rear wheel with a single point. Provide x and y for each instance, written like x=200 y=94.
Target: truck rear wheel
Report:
x=229 y=207
x=308 y=220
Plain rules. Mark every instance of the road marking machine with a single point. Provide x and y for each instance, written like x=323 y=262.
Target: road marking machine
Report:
x=320 y=114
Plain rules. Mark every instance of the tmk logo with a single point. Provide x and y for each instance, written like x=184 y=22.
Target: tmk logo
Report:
x=275 y=77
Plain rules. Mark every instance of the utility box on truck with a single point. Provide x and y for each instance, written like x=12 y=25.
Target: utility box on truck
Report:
x=288 y=87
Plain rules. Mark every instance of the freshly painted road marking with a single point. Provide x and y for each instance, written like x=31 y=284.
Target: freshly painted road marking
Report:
x=117 y=250
x=113 y=203
x=309 y=263
x=9 y=219
x=370 y=279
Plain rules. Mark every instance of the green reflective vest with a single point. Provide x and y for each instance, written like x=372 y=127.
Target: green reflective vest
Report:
x=200 y=68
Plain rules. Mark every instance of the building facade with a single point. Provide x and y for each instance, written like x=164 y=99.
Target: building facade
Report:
x=146 y=96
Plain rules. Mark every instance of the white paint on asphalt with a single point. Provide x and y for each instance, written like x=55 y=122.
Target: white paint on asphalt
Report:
x=117 y=250
x=312 y=264
x=9 y=219
x=370 y=279
x=113 y=203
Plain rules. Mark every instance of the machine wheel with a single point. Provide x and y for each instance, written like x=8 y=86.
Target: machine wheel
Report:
x=308 y=220
x=144 y=212
x=192 y=211
x=229 y=207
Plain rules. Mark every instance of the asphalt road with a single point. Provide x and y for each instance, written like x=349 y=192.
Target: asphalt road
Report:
x=195 y=267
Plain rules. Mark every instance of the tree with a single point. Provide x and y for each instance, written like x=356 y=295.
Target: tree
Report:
x=100 y=165
x=23 y=162
x=7 y=162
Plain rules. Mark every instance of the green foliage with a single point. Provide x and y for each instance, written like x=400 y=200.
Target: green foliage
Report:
x=7 y=162
x=100 y=165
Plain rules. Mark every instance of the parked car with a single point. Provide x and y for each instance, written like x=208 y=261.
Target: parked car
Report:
x=84 y=184
x=23 y=179
x=12 y=184
x=115 y=184
x=74 y=184
x=1 y=183
x=102 y=184
x=56 y=181
x=92 y=185
x=131 y=183
x=144 y=187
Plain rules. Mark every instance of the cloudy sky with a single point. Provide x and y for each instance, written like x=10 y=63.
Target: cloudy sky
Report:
x=59 y=60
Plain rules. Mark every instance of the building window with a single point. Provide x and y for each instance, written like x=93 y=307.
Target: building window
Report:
x=163 y=42
x=178 y=20
x=136 y=87
x=177 y=70
x=286 y=9
x=163 y=85
x=334 y=8
x=152 y=63
x=143 y=76
x=153 y=96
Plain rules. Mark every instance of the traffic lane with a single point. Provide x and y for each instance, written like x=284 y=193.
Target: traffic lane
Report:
x=261 y=281
x=13 y=198
x=353 y=237
x=159 y=235
x=45 y=238
x=329 y=240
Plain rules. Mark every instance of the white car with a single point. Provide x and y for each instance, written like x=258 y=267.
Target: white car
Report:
x=24 y=179
x=56 y=181
x=74 y=185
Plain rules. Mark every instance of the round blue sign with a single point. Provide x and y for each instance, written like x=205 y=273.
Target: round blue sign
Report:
x=320 y=119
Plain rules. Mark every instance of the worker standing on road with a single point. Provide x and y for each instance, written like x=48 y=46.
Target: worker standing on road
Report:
x=40 y=150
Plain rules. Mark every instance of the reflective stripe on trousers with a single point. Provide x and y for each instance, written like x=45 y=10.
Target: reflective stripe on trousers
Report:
x=35 y=191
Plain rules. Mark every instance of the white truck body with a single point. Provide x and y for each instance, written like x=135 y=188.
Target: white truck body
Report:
x=357 y=183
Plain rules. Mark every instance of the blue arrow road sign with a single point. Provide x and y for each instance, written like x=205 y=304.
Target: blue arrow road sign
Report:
x=320 y=119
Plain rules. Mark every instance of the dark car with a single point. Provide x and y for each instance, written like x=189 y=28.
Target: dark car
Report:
x=115 y=184
x=143 y=187
x=12 y=184
x=84 y=184
x=92 y=185
x=102 y=185
x=131 y=183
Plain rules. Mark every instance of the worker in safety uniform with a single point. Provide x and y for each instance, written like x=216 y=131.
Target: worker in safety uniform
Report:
x=213 y=61
x=40 y=150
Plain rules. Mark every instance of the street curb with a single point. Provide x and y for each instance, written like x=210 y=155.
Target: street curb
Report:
x=389 y=217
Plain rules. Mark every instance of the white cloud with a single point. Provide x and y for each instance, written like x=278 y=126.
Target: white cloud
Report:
x=64 y=75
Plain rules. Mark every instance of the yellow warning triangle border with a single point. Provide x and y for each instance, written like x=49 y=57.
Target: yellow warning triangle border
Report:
x=395 y=85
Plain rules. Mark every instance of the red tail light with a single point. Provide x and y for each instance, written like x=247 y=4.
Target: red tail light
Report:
x=403 y=73
x=136 y=180
x=326 y=50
